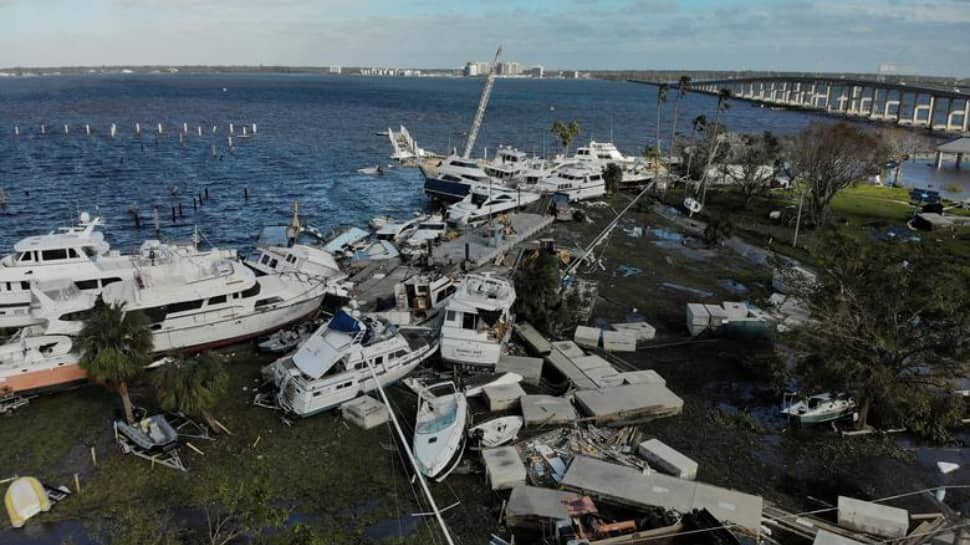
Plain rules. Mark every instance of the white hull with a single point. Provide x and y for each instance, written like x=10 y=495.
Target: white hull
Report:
x=469 y=352
x=585 y=192
x=346 y=386
x=234 y=324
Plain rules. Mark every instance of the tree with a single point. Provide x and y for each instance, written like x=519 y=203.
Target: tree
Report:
x=683 y=85
x=903 y=144
x=698 y=126
x=135 y=527
x=115 y=348
x=891 y=328
x=661 y=100
x=723 y=104
x=753 y=160
x=243 y=509
x=829 y=158
x=613 y=176
x=192 y=386
x=539 y=299
x=566 y=133
x=718 y=230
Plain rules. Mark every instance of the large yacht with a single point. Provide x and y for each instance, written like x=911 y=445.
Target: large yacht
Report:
x=78 y=254
x=636 y=171
x=334 y=365
x=578 y=182
x=197 y=302
x=482 y=203
x=451 y=179
x=478 y=321
x=508 y=164
x=31 y=361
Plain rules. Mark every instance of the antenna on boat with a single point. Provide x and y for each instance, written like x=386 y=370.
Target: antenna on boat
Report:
x=407 y=450
x=294 y=230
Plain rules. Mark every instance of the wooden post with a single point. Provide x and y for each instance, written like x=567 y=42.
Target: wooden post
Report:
x=94 y=457
x=77 y=485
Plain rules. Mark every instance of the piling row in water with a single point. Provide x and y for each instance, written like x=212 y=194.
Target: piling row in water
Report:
x=113 y=131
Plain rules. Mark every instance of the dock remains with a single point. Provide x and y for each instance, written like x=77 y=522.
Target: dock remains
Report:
x=482 y=245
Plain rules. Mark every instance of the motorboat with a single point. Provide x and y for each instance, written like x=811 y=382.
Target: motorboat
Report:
x=636 y=170
x=820 y=408
x=418 y=299
x=497 y=432
x=452 y=178
x=376 y=170
x=482 y=203
x=396 y=232
x=196 y=302
x=429 y=230
x=375 y=250
x=285 y=340
x=439 y=430
x=578 y=182
x=277 y=252
x=478 y=321
x=341 y=359
x=79 y=254
x=152 y=434
x=30 y=362
x=508 y=164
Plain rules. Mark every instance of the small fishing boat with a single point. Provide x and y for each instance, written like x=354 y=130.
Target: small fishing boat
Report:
x=439 y=430
x=372 y=171
x=497 y=432
x=150 y=434
x=285 y=340
x=820 y=408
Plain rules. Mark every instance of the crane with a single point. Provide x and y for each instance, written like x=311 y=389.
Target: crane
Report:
x=482 y=104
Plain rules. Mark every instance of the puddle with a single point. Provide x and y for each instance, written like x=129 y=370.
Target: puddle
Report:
x=39 y=533
x=368 y=506
x=626 y=271
x=392 y=528
x=733 y=286
x=666 y=234
x=693 y=291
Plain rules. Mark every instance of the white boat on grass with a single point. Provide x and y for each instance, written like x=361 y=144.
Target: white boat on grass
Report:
x=483 y=202
x=478 y=321
x=497 y=432
x=820 y=408
x=333 y=365
x=579 y=182
x=439 y=429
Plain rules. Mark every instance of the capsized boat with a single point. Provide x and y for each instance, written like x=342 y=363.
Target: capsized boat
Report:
x=24 y=499
x=439 y=429
x=820 y=408
x=333 y=365
x=497 y=432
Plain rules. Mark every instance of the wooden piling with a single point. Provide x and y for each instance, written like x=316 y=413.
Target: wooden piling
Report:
x=206 y=193
x=246 y=192
x=173 y=214
x=77 y=485
x=181 y=215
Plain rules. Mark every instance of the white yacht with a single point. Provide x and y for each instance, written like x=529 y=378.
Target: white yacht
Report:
x=636 y=171
x=30 y=361
x=276 y=253
x=78 y=254
x=578 y=182
x=439 y=429
x=197 y=302
x=508 y=164
x=820 y=408
x=430 y=229
x=333 y=365
x=393 y=231
x=451 y=179
x=481 y=203
x=478 y=321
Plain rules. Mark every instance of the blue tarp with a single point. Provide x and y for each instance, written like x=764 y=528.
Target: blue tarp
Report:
x=345 y=323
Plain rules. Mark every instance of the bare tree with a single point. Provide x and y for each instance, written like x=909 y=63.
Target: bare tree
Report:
x=753 y=163
x=903 y=144
x=829 y=158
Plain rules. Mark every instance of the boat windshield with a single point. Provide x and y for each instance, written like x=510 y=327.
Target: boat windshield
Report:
x=445 y=415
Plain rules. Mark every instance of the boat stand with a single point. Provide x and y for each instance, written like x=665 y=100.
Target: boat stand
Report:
x=188 y=428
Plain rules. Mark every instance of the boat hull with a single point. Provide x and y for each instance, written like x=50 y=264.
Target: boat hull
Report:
x=30 y=379
x=445 y=190
x=471 y=353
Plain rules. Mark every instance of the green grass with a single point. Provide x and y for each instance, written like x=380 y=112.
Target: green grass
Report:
x=323 y=467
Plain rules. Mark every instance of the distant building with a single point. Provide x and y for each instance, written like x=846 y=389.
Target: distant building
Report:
x=471 y=69
x=508 y=68
x=336 y=70
x=536 y=72
x=888 y=68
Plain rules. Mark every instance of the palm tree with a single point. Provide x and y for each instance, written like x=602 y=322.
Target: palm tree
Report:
x=566 y=133
x=723 y=96
x=682 y=87
x=115 y=346
x=697 y=126
x=661 y=100
x=192 y=386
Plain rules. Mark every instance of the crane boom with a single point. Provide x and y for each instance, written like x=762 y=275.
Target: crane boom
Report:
x=482 y=104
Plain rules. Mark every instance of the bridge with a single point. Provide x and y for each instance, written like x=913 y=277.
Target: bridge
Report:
x=935 y=109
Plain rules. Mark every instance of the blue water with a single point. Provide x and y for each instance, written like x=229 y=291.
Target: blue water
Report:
x=314 y=132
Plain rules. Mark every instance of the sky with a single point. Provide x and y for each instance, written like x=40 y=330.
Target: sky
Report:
x=918 y=36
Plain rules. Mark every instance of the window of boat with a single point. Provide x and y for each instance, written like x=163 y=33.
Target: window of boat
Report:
x=445 y=293
x=251 y=292
x=26 y=256
x=450 y=178
x=217 y=300
x=88 y=251
x=273 y=264
x=185 y=306
x=450 y=317
x=24 y=285
x=8 y=286
x=72 y=253
x=582 y=152
x=155 y=315
x=54 y=255
x=469 y=321
x=107 y=281
x=400 y=354
x=596 y=177
x=479 y=200
x=464 y=164
x=291 y=258
x=268 y=301
x=344 y=385
x=77 y=316
x=264 y=260
x=87 y=284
